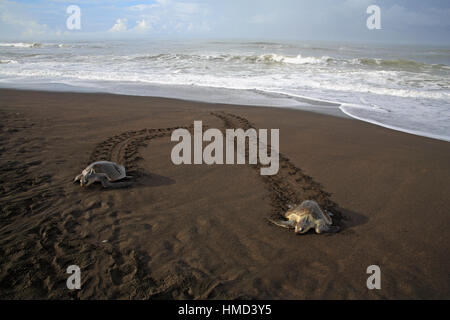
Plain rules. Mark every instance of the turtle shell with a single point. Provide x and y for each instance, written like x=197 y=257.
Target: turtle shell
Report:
x=113 y=170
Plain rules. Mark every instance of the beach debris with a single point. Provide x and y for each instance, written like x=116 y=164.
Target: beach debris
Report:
x=306 y=216
x=106 y=172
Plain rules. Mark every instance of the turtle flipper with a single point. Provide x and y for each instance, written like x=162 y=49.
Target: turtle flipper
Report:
x=290 y=224
x=323 y=228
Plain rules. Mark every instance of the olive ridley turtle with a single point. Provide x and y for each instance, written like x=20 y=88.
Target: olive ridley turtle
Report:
x=305 y=216
x=106 y=172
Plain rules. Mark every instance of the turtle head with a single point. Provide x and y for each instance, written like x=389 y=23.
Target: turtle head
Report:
x=303 y=225
x=290 y=207
x=88 y=178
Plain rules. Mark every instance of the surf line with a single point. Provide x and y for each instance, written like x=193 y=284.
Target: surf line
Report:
x=213 y=153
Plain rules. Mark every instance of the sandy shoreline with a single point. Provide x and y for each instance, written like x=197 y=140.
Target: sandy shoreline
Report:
x=189 y=232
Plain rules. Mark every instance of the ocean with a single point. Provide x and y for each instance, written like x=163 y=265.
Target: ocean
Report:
x=405 y=88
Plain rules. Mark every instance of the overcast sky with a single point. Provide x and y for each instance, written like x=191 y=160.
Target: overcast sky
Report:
x=416 y=21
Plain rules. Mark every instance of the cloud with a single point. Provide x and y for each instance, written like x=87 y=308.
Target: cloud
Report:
x=170 y=17
x=120 y=26
x=143 y=7
x=142 y=25
x=14 y=20
x=413 y=20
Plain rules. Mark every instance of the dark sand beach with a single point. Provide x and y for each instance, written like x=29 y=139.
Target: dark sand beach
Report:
x=201 y=232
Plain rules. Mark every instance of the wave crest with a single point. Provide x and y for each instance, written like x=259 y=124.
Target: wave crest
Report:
x=399 y=64
x=8 y=61
x=263 y=58
x=21 y=44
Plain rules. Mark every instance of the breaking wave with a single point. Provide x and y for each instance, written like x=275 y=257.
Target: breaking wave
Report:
x=21 y=44
x=263 y=58
x=399 y=64
x=8 y=61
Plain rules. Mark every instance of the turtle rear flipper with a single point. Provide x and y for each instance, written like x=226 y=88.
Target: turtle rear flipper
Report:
x=328 y=229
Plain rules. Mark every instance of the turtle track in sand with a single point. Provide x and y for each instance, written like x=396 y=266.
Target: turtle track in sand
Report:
x=129 y=265
x=50 y=237
x=124 y=148
x=291 y=185
x=46 y=237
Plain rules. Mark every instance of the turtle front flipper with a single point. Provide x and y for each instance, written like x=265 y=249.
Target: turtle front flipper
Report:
x=289 y=224
x=78 y=178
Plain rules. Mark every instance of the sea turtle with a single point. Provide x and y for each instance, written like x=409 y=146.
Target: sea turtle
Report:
x=105 y=172
x=306 y=216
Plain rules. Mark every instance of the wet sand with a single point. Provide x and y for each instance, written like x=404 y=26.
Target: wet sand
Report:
x=201 y=232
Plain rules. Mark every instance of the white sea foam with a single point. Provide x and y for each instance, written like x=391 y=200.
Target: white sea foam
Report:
x=299 y=59
x=8 y=61
x=20 y=44
x=349 y=110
